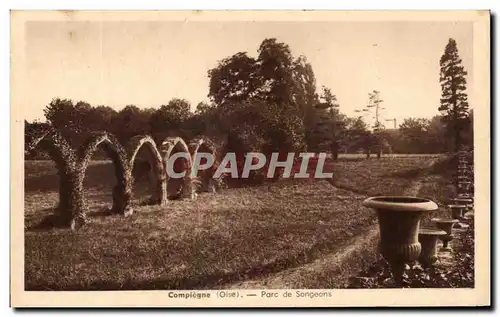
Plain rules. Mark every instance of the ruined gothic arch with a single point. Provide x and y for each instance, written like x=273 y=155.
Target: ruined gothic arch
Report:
x=122 y=192
x=61 y=152
x=204 y=145
x=168 y=147
x=155 y=162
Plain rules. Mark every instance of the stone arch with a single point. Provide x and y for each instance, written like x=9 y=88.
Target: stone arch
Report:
x=155 y=161
x=61 y=152
x=122 y=192
x=168 y=147
x=205 y=177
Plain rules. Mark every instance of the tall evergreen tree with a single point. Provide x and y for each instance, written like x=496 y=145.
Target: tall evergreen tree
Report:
x=454 y=104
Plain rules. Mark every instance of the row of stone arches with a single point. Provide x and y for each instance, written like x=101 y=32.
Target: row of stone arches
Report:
x=72 y=166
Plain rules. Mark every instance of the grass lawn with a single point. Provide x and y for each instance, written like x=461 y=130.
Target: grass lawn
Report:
x=216 y=239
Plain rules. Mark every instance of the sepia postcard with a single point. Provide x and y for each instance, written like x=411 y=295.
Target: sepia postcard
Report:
x=250 y=158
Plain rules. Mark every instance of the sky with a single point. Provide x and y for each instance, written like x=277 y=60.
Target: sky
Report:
x=118 y=63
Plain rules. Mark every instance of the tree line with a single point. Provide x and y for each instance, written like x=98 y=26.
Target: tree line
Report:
x=270 y=103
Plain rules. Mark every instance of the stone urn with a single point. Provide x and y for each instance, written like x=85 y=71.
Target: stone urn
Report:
x=468 y=212
x=399 y=221
x=447 y=226
x=428 y=238
x=464 y=186
x=457 y=211
x=469 y=215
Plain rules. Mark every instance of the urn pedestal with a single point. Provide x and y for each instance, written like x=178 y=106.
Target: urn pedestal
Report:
x=428 y=238
x=464 y=200
x=463 y=178
x=466 y=196
x=447 y=226
x=468 y=202
x=399 y=220
x=457 y=212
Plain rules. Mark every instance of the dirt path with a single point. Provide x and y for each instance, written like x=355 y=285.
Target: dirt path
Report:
x=334 y=263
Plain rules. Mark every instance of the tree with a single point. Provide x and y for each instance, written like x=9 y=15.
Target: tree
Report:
x=325 y=131
x=375 y=140
x=234 y=80
x=438 y=143
x=273 y=83
x=374 y=102
x=169 y=119
x=394 y=143
x=415 y=133
x=70 y=119
x=130 y=121
x=202 y=122
x=320 y=136
x=454 y=104
x=276 y=72
x=305 y=97
x=101 y=118
x=356 y=135
x=204 y=108
x=60 y=113
x=284 y=130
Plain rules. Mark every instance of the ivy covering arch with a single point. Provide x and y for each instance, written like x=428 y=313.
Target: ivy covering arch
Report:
x=168 y=147
x=205 y=145
x=63 y=155
x=122 y=192
x=155 y=161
